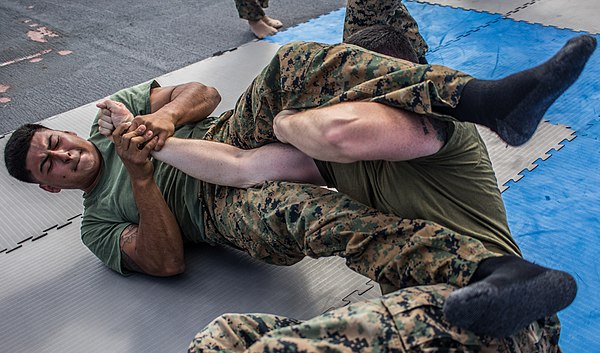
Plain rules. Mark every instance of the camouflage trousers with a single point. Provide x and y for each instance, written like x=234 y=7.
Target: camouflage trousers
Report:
x=409 y=320
x=282 y=222
x=251 y=10
x=305 y=75
x=364 y=13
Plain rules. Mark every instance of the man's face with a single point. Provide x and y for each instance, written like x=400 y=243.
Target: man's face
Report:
x=62 y=160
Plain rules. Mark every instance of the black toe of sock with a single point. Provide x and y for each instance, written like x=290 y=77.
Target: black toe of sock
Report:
x=556 y=76
x=500 y=311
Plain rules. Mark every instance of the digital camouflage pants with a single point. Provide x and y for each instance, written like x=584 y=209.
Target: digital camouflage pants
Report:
x=251 y=10
x=281 y=222
x=409 y=320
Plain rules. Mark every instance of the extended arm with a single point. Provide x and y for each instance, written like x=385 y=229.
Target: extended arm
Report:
x=223 y=164
x=354 y=131
x=155 y=245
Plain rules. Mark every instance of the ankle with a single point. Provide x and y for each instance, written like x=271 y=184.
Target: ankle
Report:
x=505 y=268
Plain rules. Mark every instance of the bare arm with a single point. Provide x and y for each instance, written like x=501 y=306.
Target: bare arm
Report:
x=155 y=246
x=354 y=131
x=183 y=104
x=223 y=164
x=170 y=107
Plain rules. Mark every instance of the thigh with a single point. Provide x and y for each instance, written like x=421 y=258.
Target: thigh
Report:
x=361 y=327
x=281 y=222
x=309 y=75
x=236 y=332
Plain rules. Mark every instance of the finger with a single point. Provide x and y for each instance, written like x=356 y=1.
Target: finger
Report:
x=101 y=104
x=137 y=137
x=105 y=113
x=105 y=131
x=162 y=138
x=106 y=124
x=113 y=105
x=140 y=131
x=151 y=145
x=143 y=138
x=135 y=123
x=141 y=142
x=119 y=131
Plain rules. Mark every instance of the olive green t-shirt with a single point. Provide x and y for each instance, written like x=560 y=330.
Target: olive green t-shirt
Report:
x=456 y=187
x=110 y=206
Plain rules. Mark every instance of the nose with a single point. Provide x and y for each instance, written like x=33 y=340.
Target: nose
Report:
x=63 y=156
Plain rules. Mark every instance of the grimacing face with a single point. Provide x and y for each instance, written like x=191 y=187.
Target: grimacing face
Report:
x=62 y=160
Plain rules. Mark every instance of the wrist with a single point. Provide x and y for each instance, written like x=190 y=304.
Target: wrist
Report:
x=141 y=176
x=141 y=181
x=279 y=129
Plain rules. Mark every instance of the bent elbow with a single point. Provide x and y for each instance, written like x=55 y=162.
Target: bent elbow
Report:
x=215 y=95
x=212 y=94
x=175 y=270
x=340 y=145
x=164 y=269
x=170 y=270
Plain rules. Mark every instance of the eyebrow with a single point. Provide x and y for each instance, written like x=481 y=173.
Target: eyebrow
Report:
x=47 y=155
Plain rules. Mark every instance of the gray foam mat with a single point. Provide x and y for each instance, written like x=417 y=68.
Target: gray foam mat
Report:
x=509 y=162
x=57 y=297
x=578 y=15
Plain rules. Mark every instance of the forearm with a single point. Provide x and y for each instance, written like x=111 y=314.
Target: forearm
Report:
x=159 y=246
x=190 y=102
x=222 y=164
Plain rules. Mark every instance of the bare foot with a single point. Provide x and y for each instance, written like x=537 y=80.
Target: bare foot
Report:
x=261 y=29
x=272 y=22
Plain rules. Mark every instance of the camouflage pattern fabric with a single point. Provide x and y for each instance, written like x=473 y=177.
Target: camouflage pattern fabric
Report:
x=307 y=75
x=365 y=13
x=282 y=222
x=409 y=320
x=251 y=10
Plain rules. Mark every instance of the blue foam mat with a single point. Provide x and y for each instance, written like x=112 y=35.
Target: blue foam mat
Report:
x=553 y=211
x=554 y=214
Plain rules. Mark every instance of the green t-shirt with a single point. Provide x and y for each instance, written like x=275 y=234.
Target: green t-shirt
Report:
x=434 y=188
x=110 y=206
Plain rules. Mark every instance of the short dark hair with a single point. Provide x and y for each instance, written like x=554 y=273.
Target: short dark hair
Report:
x=15 y=152
x=386 y=40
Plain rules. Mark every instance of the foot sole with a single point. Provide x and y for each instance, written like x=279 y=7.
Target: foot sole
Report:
x=564 y=69
x=502 y=311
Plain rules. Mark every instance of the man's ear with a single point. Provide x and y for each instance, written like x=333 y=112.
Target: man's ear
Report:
x=49 y=188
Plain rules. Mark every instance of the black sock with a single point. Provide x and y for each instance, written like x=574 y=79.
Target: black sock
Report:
x=513 y=106
x=507 y=293
x=506 y=268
